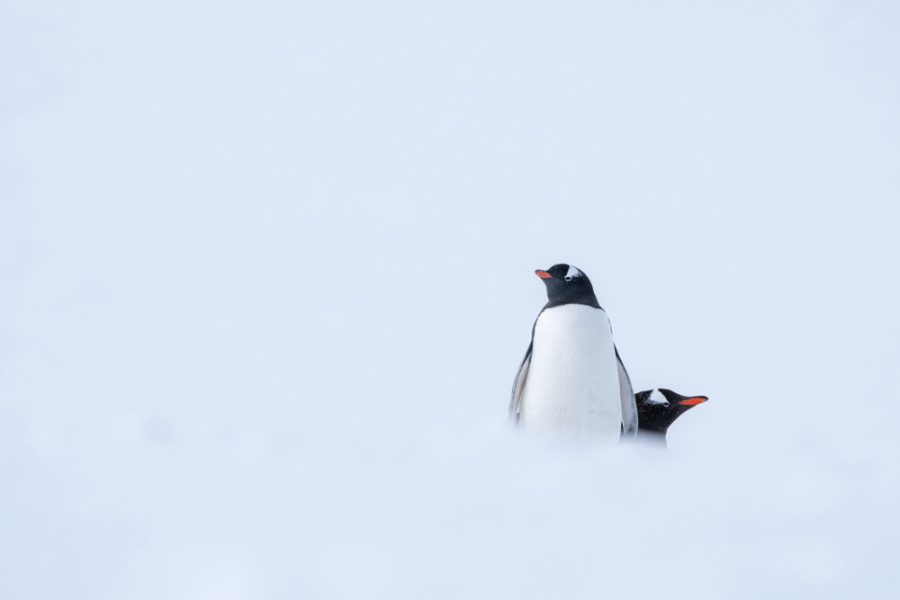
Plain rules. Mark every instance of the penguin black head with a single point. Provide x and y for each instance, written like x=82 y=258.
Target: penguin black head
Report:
x=567 y=285
x=658 y=409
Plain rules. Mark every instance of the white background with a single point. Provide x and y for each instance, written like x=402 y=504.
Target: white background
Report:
x=266 y=274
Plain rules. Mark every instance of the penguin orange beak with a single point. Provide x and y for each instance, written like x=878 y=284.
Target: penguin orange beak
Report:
x=693 y=401
x=543 y=274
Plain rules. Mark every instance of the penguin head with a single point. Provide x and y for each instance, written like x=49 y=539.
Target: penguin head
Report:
x=658 y=408
x=567 y=285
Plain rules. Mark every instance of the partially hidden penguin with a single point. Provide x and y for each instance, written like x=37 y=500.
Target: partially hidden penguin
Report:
x=657 y=410
x=572 y=380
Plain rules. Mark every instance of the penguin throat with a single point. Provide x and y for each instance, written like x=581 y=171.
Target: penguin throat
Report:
x=657 y=438
x=579 y=295
x=652 y=427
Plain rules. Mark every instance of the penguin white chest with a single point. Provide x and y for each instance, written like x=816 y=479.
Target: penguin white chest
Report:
x=573 y=383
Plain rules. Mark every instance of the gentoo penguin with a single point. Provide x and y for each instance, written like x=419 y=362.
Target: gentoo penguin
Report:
x=572 y=379
x=658 y=409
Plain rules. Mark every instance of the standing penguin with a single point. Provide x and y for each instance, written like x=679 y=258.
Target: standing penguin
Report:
x=572 y=379
x=658 y=409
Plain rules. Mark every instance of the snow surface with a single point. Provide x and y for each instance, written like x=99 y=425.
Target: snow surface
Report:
x=251 y=348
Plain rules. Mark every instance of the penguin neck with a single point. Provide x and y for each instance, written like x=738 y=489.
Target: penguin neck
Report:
x=652 y=437
x=584 y=296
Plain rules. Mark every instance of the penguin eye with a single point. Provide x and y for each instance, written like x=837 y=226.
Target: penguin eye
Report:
x=572 y=273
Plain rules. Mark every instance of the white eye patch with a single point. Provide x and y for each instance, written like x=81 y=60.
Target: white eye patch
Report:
x=573 y=272
x=656 y=397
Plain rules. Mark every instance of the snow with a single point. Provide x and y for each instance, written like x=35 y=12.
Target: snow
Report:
x=250 y=348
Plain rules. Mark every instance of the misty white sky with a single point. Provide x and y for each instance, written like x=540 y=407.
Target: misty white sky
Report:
x=287 y=249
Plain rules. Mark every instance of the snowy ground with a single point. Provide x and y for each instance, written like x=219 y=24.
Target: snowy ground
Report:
x=266 y=274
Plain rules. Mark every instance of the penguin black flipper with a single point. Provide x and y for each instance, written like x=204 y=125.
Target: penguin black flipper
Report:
x=515 y=402
x=629 y=406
